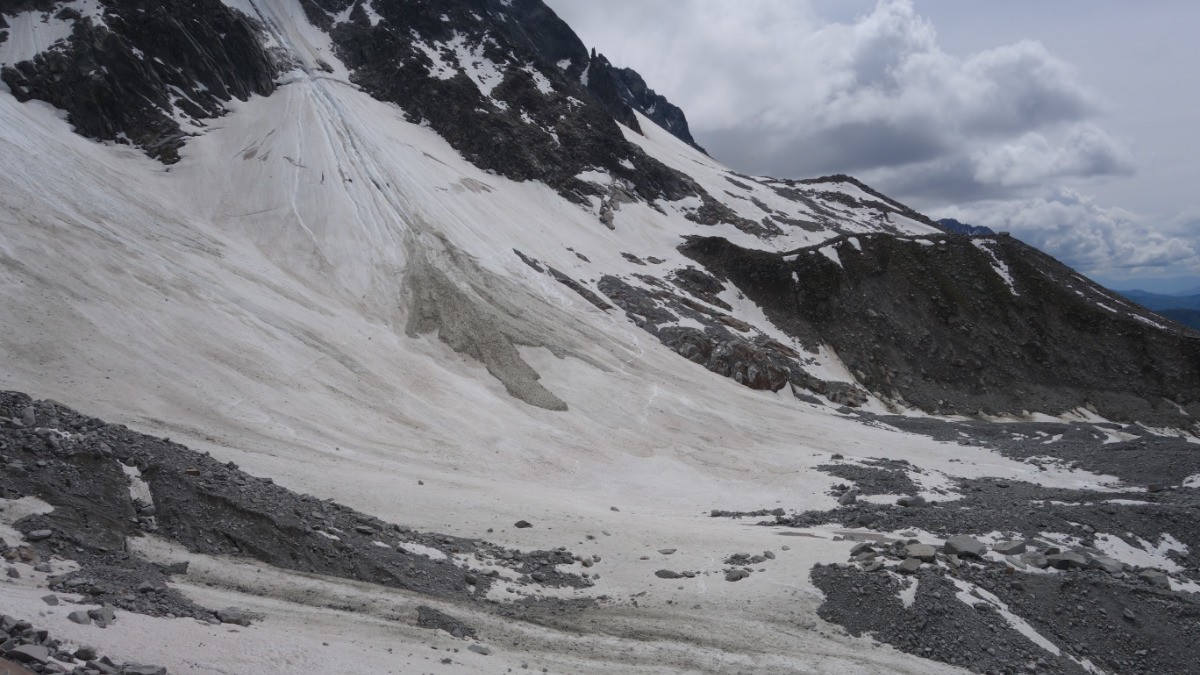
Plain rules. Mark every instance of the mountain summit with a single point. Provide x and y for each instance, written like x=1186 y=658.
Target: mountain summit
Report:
x=416 y=323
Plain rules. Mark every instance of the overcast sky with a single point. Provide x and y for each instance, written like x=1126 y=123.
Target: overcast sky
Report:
x=1071 y=123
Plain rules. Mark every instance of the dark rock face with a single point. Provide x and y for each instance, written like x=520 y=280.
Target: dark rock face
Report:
x=934 y=322
x=725 y=345
x=124 y=77
x=655 y=106
x=536 y=122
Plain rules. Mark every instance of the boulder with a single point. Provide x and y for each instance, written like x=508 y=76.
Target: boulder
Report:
x=1103 y=562
x=1156 y=578
x=965 y=547
x=29 y=654
x=909 y=566
x=1067 y=561
x=921 y=552
x=1010 y=548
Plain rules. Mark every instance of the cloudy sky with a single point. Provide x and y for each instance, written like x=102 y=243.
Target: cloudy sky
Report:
x=1072 y=123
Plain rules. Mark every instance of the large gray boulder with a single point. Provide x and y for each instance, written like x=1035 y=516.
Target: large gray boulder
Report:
x=1067 y=561
x=965 y=547
x=922 y=552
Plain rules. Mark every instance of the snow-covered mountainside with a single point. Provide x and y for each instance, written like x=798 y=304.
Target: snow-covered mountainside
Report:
x=437 y=262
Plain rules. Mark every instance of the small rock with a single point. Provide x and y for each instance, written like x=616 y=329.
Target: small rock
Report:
x=480 y=649
x=909 y=566
x=80 y=616
x=667 y=574
x=51 y=600
x=233 y=615
x=522 y=524
x=849 y=498
x=103 y=616
x=911 y=501
x=1129 y=615
x=86 y=653
x=143 y=670
x=667 y=551
x=861 y=547
x=38 y=535
x=613 y=508
x=45 y=568
x=13 y=573
x=736 y=575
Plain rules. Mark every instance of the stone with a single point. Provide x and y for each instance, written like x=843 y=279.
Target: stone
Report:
x=667 y=574
x=28 y=416
x=965 y=547
x=103 y=616
x=613 y=508
x=39 y=535
x=1010 y=548
x=479 y=649
x=911 y=501
x=1067 y=561
x=1155 y=578
x=1103 y=562
x=909 y=566
x=872 y=565
x=736 y=575
x=44 y=568
x=13 y=573
x=862 y=547
x=233 y=615
x=921 y=552
x=85 y=653
x=30 y=654
x=80 y=616
x=51 y=599
x=522 y=524
x=667 y=551
x=1035 y=559
x=143 y=670
x=850 y=497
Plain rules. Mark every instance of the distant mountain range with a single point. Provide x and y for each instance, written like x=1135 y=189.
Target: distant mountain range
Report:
x=1182 y=308
x=1187 y=317
x=955 y=227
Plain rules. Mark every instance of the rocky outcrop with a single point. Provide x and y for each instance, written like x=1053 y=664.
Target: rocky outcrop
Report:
x=518 y=112
x=952 y=324
x=132 y=75
x=655 y=106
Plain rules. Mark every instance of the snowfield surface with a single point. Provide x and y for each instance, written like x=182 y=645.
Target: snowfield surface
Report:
x=252 y=301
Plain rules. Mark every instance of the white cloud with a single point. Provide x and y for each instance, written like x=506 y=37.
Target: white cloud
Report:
x=1090 y=237
x=770 y=86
